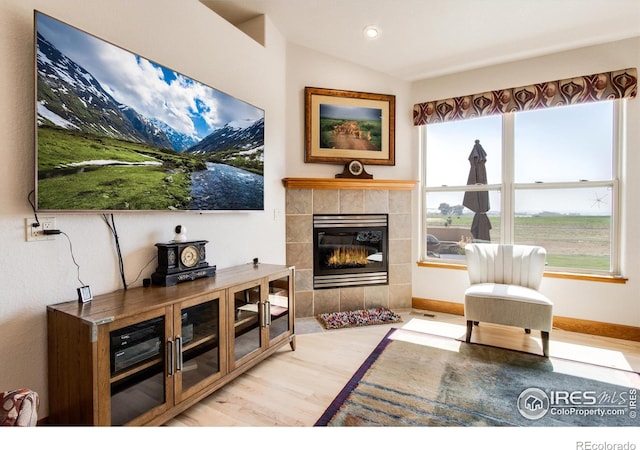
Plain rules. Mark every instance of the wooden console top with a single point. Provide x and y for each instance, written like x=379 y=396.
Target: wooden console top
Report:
x=117 y=304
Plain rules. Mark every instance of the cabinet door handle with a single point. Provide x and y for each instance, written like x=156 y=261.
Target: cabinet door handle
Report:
x=170 y=357
x=267 y=312
x=178 y=353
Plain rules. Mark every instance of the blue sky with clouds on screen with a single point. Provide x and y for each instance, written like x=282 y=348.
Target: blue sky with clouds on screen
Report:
x=151 y=89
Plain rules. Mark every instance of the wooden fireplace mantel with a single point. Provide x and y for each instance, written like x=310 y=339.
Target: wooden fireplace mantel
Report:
x=348 y=183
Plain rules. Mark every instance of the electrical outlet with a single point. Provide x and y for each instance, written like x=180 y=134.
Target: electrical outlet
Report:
x=36 y=233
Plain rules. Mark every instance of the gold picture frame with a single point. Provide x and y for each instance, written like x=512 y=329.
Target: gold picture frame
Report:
x=342 y=126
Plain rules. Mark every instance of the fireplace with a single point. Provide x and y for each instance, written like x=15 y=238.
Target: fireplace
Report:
x=350 y=250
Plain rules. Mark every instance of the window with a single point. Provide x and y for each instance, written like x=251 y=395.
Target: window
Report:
x=551 y=180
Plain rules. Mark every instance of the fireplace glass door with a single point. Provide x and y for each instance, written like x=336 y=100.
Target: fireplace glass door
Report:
x=350 y=250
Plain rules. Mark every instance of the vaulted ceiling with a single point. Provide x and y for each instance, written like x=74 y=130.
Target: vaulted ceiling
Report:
x=426 y=38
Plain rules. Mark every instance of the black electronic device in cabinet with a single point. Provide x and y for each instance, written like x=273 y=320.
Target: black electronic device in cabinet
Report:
x=136 y=344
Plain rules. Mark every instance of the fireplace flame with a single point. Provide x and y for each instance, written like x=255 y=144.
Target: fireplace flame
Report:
x=348 y=256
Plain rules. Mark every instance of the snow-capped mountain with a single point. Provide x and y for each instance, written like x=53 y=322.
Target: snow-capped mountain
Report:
x=179 y=141
x=72 y=98
x=238 y=135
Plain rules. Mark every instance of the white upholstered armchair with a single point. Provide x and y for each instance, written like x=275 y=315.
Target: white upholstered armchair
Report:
x=504 y=288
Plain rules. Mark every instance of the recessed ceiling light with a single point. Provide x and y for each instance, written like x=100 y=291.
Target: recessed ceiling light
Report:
x=371 y=32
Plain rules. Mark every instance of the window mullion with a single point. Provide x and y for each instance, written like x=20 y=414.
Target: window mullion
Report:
x=465 y=187
x=619 y=151
x=507 y=197
x=563 y=185
x=422 y=207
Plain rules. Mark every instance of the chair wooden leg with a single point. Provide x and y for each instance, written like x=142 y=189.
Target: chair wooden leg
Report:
x=469 y=330
x=545 y=343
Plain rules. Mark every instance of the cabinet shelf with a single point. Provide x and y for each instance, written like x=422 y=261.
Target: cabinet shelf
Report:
x=201 y=341
x=134 y=370
x=248 y=323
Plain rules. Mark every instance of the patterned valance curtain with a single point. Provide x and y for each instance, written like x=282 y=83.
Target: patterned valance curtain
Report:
x=589 y=88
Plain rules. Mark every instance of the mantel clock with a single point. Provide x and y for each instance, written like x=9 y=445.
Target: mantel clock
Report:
x=181 y=261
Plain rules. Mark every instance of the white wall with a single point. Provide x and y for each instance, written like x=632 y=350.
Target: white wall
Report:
x=604 y=302
x=306 y=67
x=187 y=37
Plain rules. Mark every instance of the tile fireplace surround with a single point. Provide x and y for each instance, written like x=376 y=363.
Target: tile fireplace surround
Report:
x=308 y=196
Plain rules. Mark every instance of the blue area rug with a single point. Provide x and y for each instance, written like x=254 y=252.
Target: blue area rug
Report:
x=416 y=379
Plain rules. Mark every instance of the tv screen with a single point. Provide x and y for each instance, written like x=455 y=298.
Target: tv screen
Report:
x=116 y=131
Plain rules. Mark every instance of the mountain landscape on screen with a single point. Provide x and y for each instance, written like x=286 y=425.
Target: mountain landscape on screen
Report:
x=118 y=132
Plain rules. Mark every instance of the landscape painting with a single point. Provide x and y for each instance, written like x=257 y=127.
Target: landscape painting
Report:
x=341 y=126
x=116 y=131
x=350 y=127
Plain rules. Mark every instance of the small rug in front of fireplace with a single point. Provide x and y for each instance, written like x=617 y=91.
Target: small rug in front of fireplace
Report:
x=358 y=318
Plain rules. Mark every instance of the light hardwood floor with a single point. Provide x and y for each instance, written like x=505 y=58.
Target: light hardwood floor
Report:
x=293 y=388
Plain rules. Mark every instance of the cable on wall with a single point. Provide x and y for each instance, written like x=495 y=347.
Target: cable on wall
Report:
x=145 y=266
x=114 y=232
x=33 y=207
x=84 y=291
x=73 y=258
x=112 y=227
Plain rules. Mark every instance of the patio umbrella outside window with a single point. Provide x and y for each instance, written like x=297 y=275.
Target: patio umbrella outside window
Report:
x=478 y=201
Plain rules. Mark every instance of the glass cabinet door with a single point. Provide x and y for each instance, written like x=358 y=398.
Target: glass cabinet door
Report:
x=198 y=345
x=247 y=319
x=278 y=307
x=137 y=362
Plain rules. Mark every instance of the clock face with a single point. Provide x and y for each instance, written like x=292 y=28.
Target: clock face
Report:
x=189 y=256
x=355 y=167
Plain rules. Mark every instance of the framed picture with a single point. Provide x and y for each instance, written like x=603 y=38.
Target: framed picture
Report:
x=342 y=126
x=84 y=294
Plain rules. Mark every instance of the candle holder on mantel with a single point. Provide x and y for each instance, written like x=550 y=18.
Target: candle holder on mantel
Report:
x=354 y=169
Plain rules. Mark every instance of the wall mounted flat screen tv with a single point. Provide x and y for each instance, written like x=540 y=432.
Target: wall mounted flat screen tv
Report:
x=116 y=131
